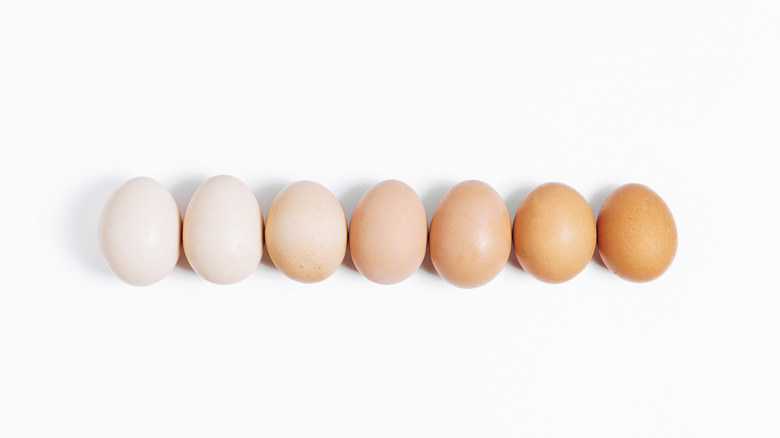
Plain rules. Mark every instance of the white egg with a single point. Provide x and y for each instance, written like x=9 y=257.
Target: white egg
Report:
x=140 y=232
x=223 y=230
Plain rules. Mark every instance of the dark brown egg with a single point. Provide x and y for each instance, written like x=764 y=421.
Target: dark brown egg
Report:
x=637 y=236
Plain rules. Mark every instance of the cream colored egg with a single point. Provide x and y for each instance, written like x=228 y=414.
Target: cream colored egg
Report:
x=140 y=232
x=388 y=232
x=306 y=232
x=223 y=230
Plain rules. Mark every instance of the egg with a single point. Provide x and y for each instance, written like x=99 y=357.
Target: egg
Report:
x=223 y=230
x=637 y=236
x=471 y=235
x=554 y=233
x=140 y=232
x=306 y=232
x=388 y=232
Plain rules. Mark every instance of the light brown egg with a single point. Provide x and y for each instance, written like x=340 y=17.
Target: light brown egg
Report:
x=140 y=232
x=388 y=232
x=637 y=236
x=471 y=235
x=554 y=233
x=306 y=232
x=223 y=230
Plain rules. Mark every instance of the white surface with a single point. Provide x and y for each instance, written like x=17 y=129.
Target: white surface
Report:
x=679 y=95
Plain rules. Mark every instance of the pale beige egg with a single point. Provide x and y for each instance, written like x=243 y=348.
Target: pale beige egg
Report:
x=140 y=232
x=223 y=230
x=306 y=232
x=388 y=232
x=471 y=235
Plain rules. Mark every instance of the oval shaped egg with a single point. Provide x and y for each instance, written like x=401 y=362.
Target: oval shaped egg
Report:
x=554 y=233
x=637 y=236
x=223 y=230
x=388 y=232
x=306 y=232
x=140 y=232
x=471 y=235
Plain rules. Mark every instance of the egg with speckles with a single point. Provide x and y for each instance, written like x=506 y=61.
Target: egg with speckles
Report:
x=637 y=235
x=306 y=232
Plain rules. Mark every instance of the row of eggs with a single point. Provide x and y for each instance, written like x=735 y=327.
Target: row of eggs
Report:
x=554 y=233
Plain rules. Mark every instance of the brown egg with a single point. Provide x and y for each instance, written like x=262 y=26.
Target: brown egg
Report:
x=554 y=233
x=471 y=235
x=637 y=237
x=306 y=232
x=388 y=233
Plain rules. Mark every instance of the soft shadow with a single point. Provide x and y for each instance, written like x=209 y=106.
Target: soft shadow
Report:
x=350 y=198
x=182 y=192
x=183 y=263
x=597 y=258
x=430 y=200
x=598 y=199
x=265 y=196
x=85 y=219
x=265 y=260
x=427 y=264
x=514 y=262
x=348 y=262
x=512 y=201
x=432 y=197
x=595 y=203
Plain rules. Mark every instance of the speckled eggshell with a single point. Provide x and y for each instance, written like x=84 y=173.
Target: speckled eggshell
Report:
x=223 y=230
x=554 y=233
x=388 y=233
x=471 y=235
x=140 y=232
x=637 y=236
x=306 y=232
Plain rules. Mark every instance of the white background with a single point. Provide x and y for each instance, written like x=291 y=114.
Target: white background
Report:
x=682 y=96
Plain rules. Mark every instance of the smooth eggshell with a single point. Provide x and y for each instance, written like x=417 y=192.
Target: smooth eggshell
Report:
x=140 y=232
x=388 y=232
x=637 y=236
x=223 y=230
x=306 y=232
x=471 y=235
x=554 y=233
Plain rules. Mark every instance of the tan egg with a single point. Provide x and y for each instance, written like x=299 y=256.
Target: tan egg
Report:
x=388 y=233
x=554 y=233
x=306 y=232
x=223 y=230
x=471 y=235
x=637 y=236
x=140 y=232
